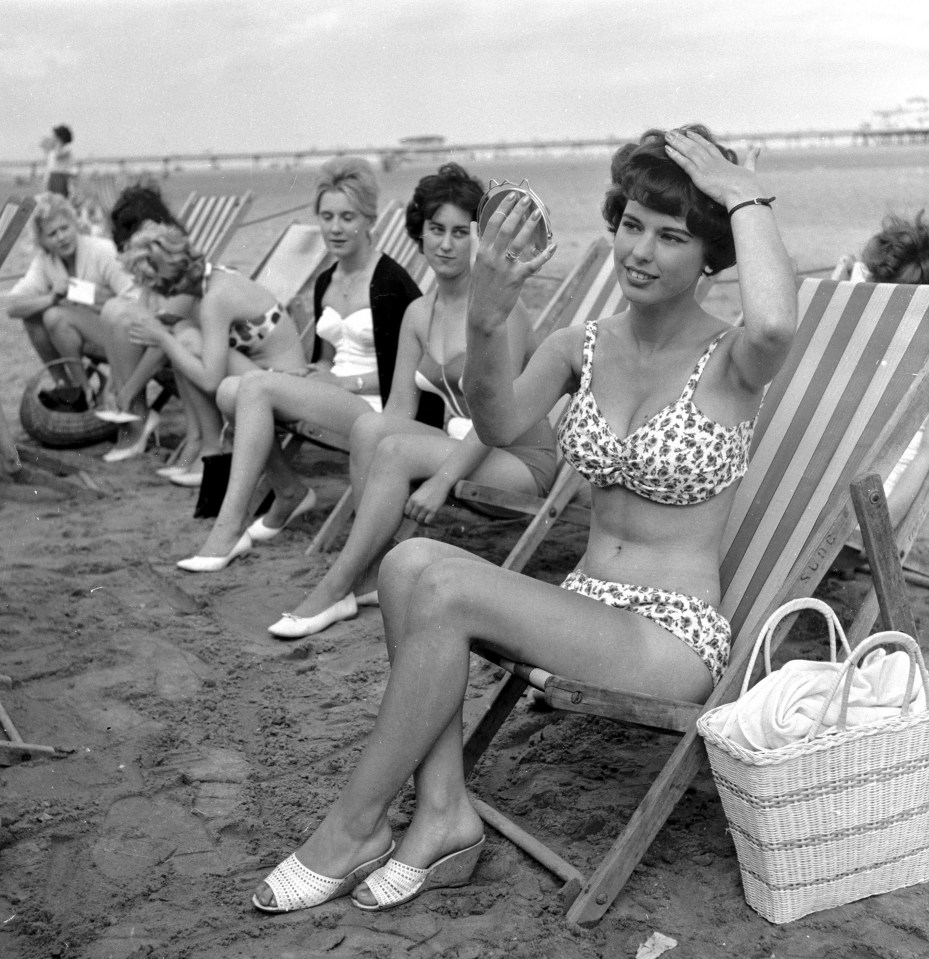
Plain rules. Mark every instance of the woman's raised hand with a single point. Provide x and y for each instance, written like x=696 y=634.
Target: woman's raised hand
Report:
x=726 y=183
x=497 y=272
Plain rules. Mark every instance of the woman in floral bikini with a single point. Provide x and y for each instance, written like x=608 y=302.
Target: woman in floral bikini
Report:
x=664 y=401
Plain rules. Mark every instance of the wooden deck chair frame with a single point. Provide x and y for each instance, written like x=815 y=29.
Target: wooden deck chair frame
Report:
x=211 y=220
x=13 y=219
x=852 y=393
x=585 y=290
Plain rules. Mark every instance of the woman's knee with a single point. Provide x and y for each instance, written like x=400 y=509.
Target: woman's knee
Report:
x=431 y=571
x=226 y=394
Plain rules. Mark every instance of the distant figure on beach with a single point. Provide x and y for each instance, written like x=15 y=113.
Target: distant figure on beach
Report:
x=67 y=283
x=59 y=160
x=390 y=451
x=131 y=365
x=239 y=327
x=664 y=398
x=359 y=304
x=897 y=253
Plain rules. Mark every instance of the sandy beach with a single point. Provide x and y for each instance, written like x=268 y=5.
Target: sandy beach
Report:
x=194 y=751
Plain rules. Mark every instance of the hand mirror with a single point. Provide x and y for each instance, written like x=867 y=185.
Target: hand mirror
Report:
x=495 y=196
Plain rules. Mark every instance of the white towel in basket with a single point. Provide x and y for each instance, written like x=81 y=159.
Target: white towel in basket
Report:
x=784 y=706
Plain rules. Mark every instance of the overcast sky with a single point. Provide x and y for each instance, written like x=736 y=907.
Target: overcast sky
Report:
x=135 y=77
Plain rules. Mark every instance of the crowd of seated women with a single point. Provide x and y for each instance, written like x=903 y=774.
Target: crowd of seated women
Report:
x=432 y=389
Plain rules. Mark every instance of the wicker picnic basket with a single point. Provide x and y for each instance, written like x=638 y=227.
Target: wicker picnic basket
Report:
x=835 y=817
x=62 y=428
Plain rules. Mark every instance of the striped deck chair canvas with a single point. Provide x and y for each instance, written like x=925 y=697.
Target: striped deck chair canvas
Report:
x=211 y=221
x=293 y=261
x=13 y=219
x=852 y=393
x=587 y=287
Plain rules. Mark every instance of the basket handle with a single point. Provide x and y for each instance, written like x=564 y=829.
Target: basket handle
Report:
x=889 y=637
x=771 y=624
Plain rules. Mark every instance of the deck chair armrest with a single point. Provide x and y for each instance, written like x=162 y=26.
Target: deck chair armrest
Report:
x=572 y=695
x=475 y=494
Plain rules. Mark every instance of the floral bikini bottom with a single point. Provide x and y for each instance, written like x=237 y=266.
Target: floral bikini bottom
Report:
x=691 y=620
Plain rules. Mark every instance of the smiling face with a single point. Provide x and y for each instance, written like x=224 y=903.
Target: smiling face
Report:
x=59 y=236
x=344 y=228
x=655 y=256
x=447 y=241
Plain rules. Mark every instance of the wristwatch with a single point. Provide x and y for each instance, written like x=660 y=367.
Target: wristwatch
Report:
x=360 y=383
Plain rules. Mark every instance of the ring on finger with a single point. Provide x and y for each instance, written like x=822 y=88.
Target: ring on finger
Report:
x=511 y=254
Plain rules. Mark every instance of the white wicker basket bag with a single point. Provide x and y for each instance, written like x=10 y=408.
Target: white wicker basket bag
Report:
x=839 y=815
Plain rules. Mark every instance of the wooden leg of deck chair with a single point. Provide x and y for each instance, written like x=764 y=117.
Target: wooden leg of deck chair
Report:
x=481 y=732
x=565 y=488
x=334 y=524
x=883 y=555
x=651 y=814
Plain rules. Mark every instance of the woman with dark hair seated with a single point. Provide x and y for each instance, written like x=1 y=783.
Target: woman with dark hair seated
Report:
x=359 y=305
x=235 y=326
x=131 y=365
x=660 y=421
x=391 y=452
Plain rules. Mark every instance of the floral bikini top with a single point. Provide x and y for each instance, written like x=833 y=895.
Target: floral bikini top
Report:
x=679 y=457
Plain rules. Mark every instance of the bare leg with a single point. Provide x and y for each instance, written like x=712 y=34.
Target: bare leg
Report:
x=436 y=600
x=117 y=316
x=71 y=328
x=41 y=342
x=400 y=459
x=262 y=397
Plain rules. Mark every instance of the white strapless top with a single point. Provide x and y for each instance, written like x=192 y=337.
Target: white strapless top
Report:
x=353 y=339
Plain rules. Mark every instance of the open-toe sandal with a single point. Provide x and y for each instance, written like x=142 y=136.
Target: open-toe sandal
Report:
x=396 y=883
x=296 y=887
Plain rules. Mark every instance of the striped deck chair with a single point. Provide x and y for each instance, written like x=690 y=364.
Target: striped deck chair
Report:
x=211 y=221
x=852 y=393
x=293 y=261
x=586 y=288
x=13 y=218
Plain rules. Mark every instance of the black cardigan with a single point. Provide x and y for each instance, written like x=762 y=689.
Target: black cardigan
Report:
x=391 y=292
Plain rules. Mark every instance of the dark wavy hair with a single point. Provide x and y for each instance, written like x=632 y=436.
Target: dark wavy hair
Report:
x=135 y=205
x=645 y=173
x=900 y=252
x=452 y=184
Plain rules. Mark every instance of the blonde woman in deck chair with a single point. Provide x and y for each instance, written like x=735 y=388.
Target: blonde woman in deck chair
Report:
x=664 y=403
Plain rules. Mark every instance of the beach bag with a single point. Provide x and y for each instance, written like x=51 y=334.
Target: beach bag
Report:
x=843 y=812
x=58 y=416
x=216 y=469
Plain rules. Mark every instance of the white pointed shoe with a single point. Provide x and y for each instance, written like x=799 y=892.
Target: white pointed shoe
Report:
x=260 y=532
x=120 y=453
x=213 y=564
x=296 y=887
x=396 y=883
x=296 y=627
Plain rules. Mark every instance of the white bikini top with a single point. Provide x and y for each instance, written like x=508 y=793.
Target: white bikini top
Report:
x=352 y=338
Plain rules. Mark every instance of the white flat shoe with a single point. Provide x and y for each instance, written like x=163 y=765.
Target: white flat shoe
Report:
x=260 y=532
x=186 y=478
x=168 y=471
x=296 y=887
x=295 y=627
x=213 y=564
x=116 y=416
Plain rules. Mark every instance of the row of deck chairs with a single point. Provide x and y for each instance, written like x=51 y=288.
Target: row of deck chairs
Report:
x=849 y=398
